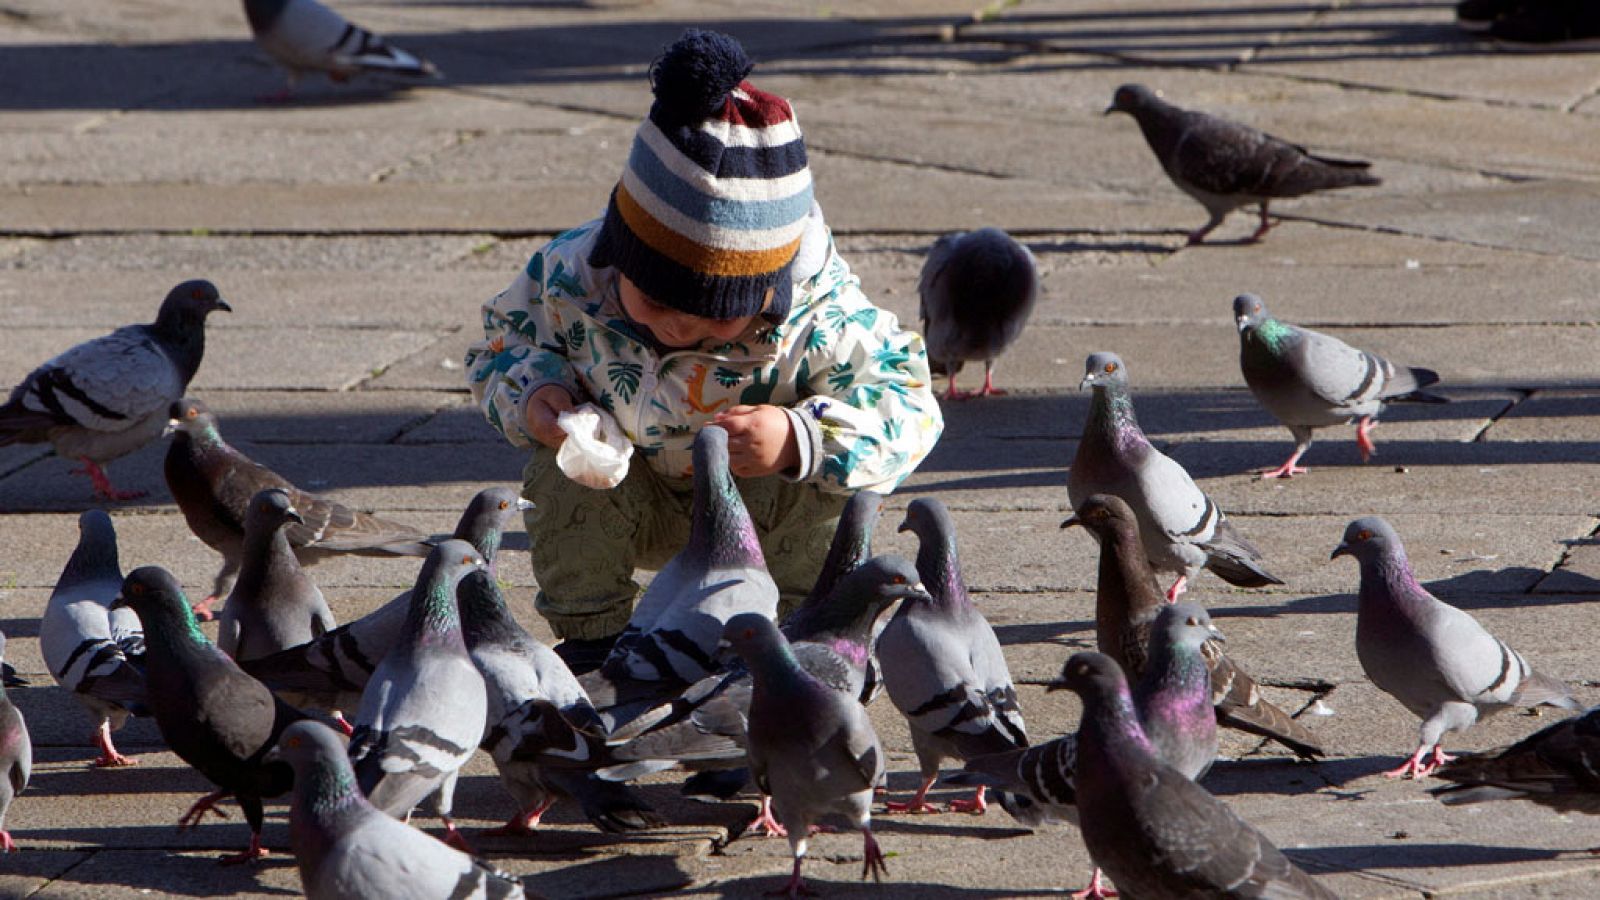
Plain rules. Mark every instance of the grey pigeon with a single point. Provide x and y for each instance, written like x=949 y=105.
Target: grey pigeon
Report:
x=1183 y=529
x=16 y=757
x=423 y=710
x=1127 y=604
x=1435 y=659
x=331 y=671
x=978 y=289
x=212 y=483
x=943 y=666
x=1173 y=703
x=214 y=716
x=1225 y=165
x=274 y=604
x=1309 y=380
x=537 y=710
x=1554 y=767
x=306 y=36
x=348 y=850
x=107 y=397
x=812 y=747
x=92 y=650
x=1155 y=832
x=672 y=637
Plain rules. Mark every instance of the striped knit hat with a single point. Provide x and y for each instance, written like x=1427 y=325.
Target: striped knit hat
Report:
x=712 y=204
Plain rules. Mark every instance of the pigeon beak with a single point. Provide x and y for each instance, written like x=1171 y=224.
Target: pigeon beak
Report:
x=524 y=503
x=1217 y=635
x=1054 y=686
x=1243 y=323
x=1087 y=381
x=223 y=305
x=1071 y=520
x=904 y=527
x=1341 y=550
x=1109 y=110
x=273 y=755
x=171 y=427
x=293 y=515
x=119 y=601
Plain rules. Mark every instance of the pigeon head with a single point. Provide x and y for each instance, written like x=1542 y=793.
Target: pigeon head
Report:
x=1185 y=625
x=1249 y=311
x=305 y=743
x=1103 y=370
x=869 y=593
x=1106 y=516
x=191 y=417
x=485 y=519
x=97 y=546
x=754 y=637
x=1369 y=539
x=323 y=780
x=156 y=596
x=1091 y=675
x=1132 y=99
x=930 y=521
x=851 y=546
x=484 y=616
x=720 y=525
x=188 y=304
x=433 y=600
x=271 y=509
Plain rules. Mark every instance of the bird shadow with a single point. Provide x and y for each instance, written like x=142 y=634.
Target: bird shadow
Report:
x=1403 y=854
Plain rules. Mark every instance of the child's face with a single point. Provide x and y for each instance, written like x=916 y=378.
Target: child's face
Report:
x=673 y=327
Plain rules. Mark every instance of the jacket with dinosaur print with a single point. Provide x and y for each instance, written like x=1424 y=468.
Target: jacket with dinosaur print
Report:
x=855 y=385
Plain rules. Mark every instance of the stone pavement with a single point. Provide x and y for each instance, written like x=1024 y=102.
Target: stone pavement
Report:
x=356 y=230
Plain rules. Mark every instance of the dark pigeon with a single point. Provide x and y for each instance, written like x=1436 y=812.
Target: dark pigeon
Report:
x=274 y=604
x=212 y=483
x=1309 y=380
x=107 y=397
x=978 y=289
x=1225 y=165
x=1555 y=766
x=213 y=715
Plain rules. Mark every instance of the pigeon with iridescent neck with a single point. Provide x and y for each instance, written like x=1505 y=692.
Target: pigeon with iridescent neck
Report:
x=943 y=666
x=212 y=483
x=1127 y=603
x=107 y=397
x=1154 y=831
x=812 y=748
x=16 y=757
x=331 y=671
x=1309 y=380
x=977 y=289
x=1435 y=659
x=92 y=650
x=1037 y=785
x=213 y=715
x=1184 y=530
x=275 y=604
x=423 y=711
x=348 y=849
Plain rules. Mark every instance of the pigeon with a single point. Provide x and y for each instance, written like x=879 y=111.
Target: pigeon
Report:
x=423 y=710
x=1309 y=380
x=1554 y=767
x=16 y=757
x=672 y=638
x=978 y=289
x=347 y=849
x=306 y=36
x=1435 y=659
x=213 y=715
x=1173 y=703
x=943 y=666
x=274 y=604
x=1155 y=832
x=537 y=709
x=213 y=483
x=1225 y=165
x=107 y=397
x=1182 y=527
x=1127 y=604
x=331 y=671
x=92 y=650
x=812 y=747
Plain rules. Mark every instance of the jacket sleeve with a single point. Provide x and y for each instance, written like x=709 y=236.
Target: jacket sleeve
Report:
x=521 y=351
x=871 y=416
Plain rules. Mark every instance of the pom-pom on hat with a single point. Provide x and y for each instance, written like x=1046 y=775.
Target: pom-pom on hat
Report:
x=712 y=204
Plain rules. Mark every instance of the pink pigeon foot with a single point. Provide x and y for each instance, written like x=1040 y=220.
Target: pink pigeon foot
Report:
x=202 y=610
x=206 y=804
x=917 y=805
x=873 y=862
x=1096 y=890
x=1177 y=589
x=1416 y=768
x=1263 y=228
x=251 y=854
x=1364 y=437
x=1287 y=470
x=454 y=837
x=977 y=805
x=109 y=757
x=103 y=488
x=988 y=389
x=954 y=393
x=767 y=825
x=7 y=845
x=521 y=824
x=796 y=886
x=345 y=726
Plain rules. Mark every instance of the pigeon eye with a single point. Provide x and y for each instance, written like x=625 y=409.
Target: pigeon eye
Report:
x=504 y=504
x=136 y=589
x=748 y=633
x=466 y=560
x=1363 y=535
x=1256 y=308
x=293 y=742
x=899 y=579
x=1110 y=367
x=1193 y=622
x=198 y=293
x=190 y=413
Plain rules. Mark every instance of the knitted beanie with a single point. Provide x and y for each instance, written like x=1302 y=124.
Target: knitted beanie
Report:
x=711 y=207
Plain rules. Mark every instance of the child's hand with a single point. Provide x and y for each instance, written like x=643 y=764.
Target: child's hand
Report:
x=543 y=408
x=761 y=440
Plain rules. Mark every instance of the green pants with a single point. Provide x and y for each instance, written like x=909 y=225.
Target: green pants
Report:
x=587 y=543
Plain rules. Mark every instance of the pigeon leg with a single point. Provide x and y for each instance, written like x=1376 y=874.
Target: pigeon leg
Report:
x=954 y=393
x=103 y=488
x=977 y=805
x=254 y=852
x=1096 y=890
x=109 y=757
x=7 y=845
x=1177 y=589
x=202 y=610
x=1264 y=227
x=454 y=837
x=1288 y=469
x=769 y=826
x=796 y=887
x=205 y=804
x=521 y=823
x=918 y=803
x=1364 y=437
x=345 y=726
x=988 y=389
x=873 y=861
x=1416 y=768
x=1200 y=233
